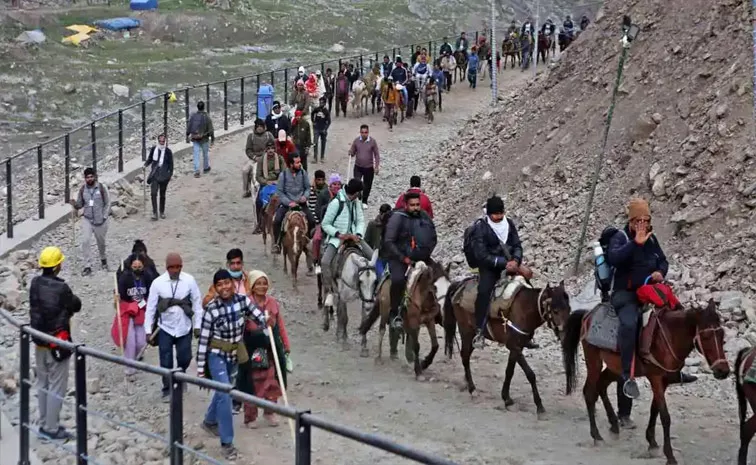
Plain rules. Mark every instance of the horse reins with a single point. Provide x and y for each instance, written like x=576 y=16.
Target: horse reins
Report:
x=360 y=271
x=721 y=357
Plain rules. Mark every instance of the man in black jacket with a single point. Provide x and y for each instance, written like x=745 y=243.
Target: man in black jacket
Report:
x=51 y=306
x=321 y=121
x=496 y=246
x=160 y=159
x=410 y=237
x=277 y=120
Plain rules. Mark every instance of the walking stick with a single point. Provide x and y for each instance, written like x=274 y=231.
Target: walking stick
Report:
x=73 y=229
x=280 y=374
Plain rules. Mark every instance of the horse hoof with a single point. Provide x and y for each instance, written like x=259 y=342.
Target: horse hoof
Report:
x=598 y=442
x=615 y=429
x=508 y=402
x=364 y=352
x=542 y=415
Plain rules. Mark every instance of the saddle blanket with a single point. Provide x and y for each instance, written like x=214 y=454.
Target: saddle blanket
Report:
x=603 y=327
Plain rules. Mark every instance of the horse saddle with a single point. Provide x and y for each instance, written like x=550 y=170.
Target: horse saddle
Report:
x=290 y=214
x=601 y=328
x=504 y=294
x=337 y=264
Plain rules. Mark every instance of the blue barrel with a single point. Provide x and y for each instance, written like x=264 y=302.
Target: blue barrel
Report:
x=264 y=100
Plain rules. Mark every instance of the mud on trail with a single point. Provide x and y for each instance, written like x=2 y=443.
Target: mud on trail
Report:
x=207 y=216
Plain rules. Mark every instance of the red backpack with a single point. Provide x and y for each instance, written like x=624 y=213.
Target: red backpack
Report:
x=659 y=295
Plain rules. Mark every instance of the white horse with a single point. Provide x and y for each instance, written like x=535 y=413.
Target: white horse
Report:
x=356 y=279
x=360 y=97
x=376 y=97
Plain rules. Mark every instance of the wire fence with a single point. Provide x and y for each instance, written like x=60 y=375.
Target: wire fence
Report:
x=109 y=142
x=174 y=442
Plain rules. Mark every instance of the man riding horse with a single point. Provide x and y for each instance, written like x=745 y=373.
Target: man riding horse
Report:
x=462 y=43
x=292 y=189
x=410 y=237
x=569 y=27
x=269 y=168
x=343 y=224
x=496 y=247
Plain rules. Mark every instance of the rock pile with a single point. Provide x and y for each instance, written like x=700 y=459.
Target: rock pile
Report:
x=682 y=137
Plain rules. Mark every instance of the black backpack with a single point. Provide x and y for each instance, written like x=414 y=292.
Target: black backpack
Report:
x=605 y=285
x=467 y=246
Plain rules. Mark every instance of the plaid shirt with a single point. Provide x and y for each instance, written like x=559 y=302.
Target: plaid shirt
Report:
x=224 y=321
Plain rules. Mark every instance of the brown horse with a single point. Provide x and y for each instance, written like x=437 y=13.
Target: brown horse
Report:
x=678 y=331
x=514 y=317
x=426 y=287
x=544 y=45
x=294 y=241
x=510 y=47
x=564 y=41
x=461 y=59
x=746 y=390
x=269 y=214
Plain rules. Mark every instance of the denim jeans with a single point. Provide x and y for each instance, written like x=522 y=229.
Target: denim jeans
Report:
x=219 y=412
x=203 y=146
x=183 y=353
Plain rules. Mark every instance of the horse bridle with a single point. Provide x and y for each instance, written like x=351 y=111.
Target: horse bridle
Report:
x=721 y=357
x=360 y=271
x=546 y=312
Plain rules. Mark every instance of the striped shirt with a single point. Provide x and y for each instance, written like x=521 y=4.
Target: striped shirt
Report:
x=224 y=321
x=312 y=202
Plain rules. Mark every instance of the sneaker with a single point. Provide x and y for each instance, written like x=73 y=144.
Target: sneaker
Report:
x=206 y=170
x=210 y=428
x=104 y=264
x=310 y=272
x=364 y=206
x=626 y=423
x=236 y=408
x=247 y=195
x=397 y=322
x=196 y=174
x=60 y=435
x=630 y=389
x=271 y=420
x=154 y=217
x=276 y=249
x=86 y=271
x=479 y=341
x=328 y=300
x=162 y=216
x=229 y=451
x=166 y=397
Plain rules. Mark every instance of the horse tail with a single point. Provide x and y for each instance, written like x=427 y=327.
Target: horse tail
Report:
x=371 y=317
x=450 y=321
x=570 y=345
x=739 y=360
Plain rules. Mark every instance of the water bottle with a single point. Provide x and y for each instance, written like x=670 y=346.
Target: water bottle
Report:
x=602 y=267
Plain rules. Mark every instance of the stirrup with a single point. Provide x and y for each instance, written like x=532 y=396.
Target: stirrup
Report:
x=630 y=389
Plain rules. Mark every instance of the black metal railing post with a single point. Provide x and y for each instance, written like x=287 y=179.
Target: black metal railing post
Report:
x=67 y=166
x=80 y=373
x=286 y=85
x=303 y=439
x=176 y=423
x=207 y=99
x=93 y=131
x=376 y=57
x=241 y=99
x=225 y=105
x=9 y=198
x=23 y=431
x=40 y=184
x=362 y=67
x=476 y=37
x=166 y=97
x=393 y=54
x=322 y=68
x=120 y=141
x=273 y=80
x=186 y=108
x=144 y=130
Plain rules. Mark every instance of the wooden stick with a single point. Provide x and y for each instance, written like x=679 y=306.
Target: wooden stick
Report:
x=153 y=336
x=279 y=373
x=118 y=314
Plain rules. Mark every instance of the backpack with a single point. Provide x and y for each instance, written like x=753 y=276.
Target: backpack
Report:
x=605 y=284
x=467 y=245
x=99 y=186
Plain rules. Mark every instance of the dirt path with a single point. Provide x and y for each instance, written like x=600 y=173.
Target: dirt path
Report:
x=207 y=217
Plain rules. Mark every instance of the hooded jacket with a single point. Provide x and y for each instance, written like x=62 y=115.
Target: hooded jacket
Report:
x=488 y=249
x=274 y=123
x=51 y=305
x=351 y=220
x=256 y=144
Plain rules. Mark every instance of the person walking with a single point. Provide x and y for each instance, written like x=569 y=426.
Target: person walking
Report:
x=201 y=134
x=94 y=201
x=133 y=291
x=367 y=161
x=257 y=143
x=160 y=161
x=220 y=349
x=259 y=376
x=173 y=305
x=52 y=303
x=374 y=235
x=301 y=136
x=321 y=120
x=425 y=203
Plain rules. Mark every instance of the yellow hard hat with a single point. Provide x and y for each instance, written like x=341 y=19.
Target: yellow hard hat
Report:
x=50 y=257
x=172 y=97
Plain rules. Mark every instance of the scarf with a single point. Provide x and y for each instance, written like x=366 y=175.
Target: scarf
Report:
x=276 y=164
x=159 y=154
x=501 y=229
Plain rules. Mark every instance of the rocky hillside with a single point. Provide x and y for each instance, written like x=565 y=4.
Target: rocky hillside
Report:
x=682 y=137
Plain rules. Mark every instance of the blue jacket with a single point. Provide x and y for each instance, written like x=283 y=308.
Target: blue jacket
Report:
x=634 y=263
x=351 y=220
x=472 y=63
x=440 y=79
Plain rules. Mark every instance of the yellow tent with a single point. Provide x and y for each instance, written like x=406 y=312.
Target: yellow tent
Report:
x=81 y=28
x=76 y=39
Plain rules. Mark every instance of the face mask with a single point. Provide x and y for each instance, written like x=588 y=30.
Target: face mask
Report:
x=235 y=274
x=137 y=271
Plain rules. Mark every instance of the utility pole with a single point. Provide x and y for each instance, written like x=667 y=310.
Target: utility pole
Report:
x=535 y=38
x=493 y=46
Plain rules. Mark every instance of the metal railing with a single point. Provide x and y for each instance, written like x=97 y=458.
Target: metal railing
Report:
x=113 y=139
x=304 y=420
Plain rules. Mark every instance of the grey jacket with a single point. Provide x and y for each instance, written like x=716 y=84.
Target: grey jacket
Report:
x=292 y=187
x=95 y=201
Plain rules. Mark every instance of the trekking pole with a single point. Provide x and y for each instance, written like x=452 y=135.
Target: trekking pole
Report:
x=349 y=167
x=280 y=374
x=630 y=32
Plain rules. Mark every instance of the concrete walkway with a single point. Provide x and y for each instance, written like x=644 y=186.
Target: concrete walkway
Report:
x=9 y=444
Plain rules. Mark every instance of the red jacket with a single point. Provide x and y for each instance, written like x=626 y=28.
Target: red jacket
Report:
x=425 y=202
